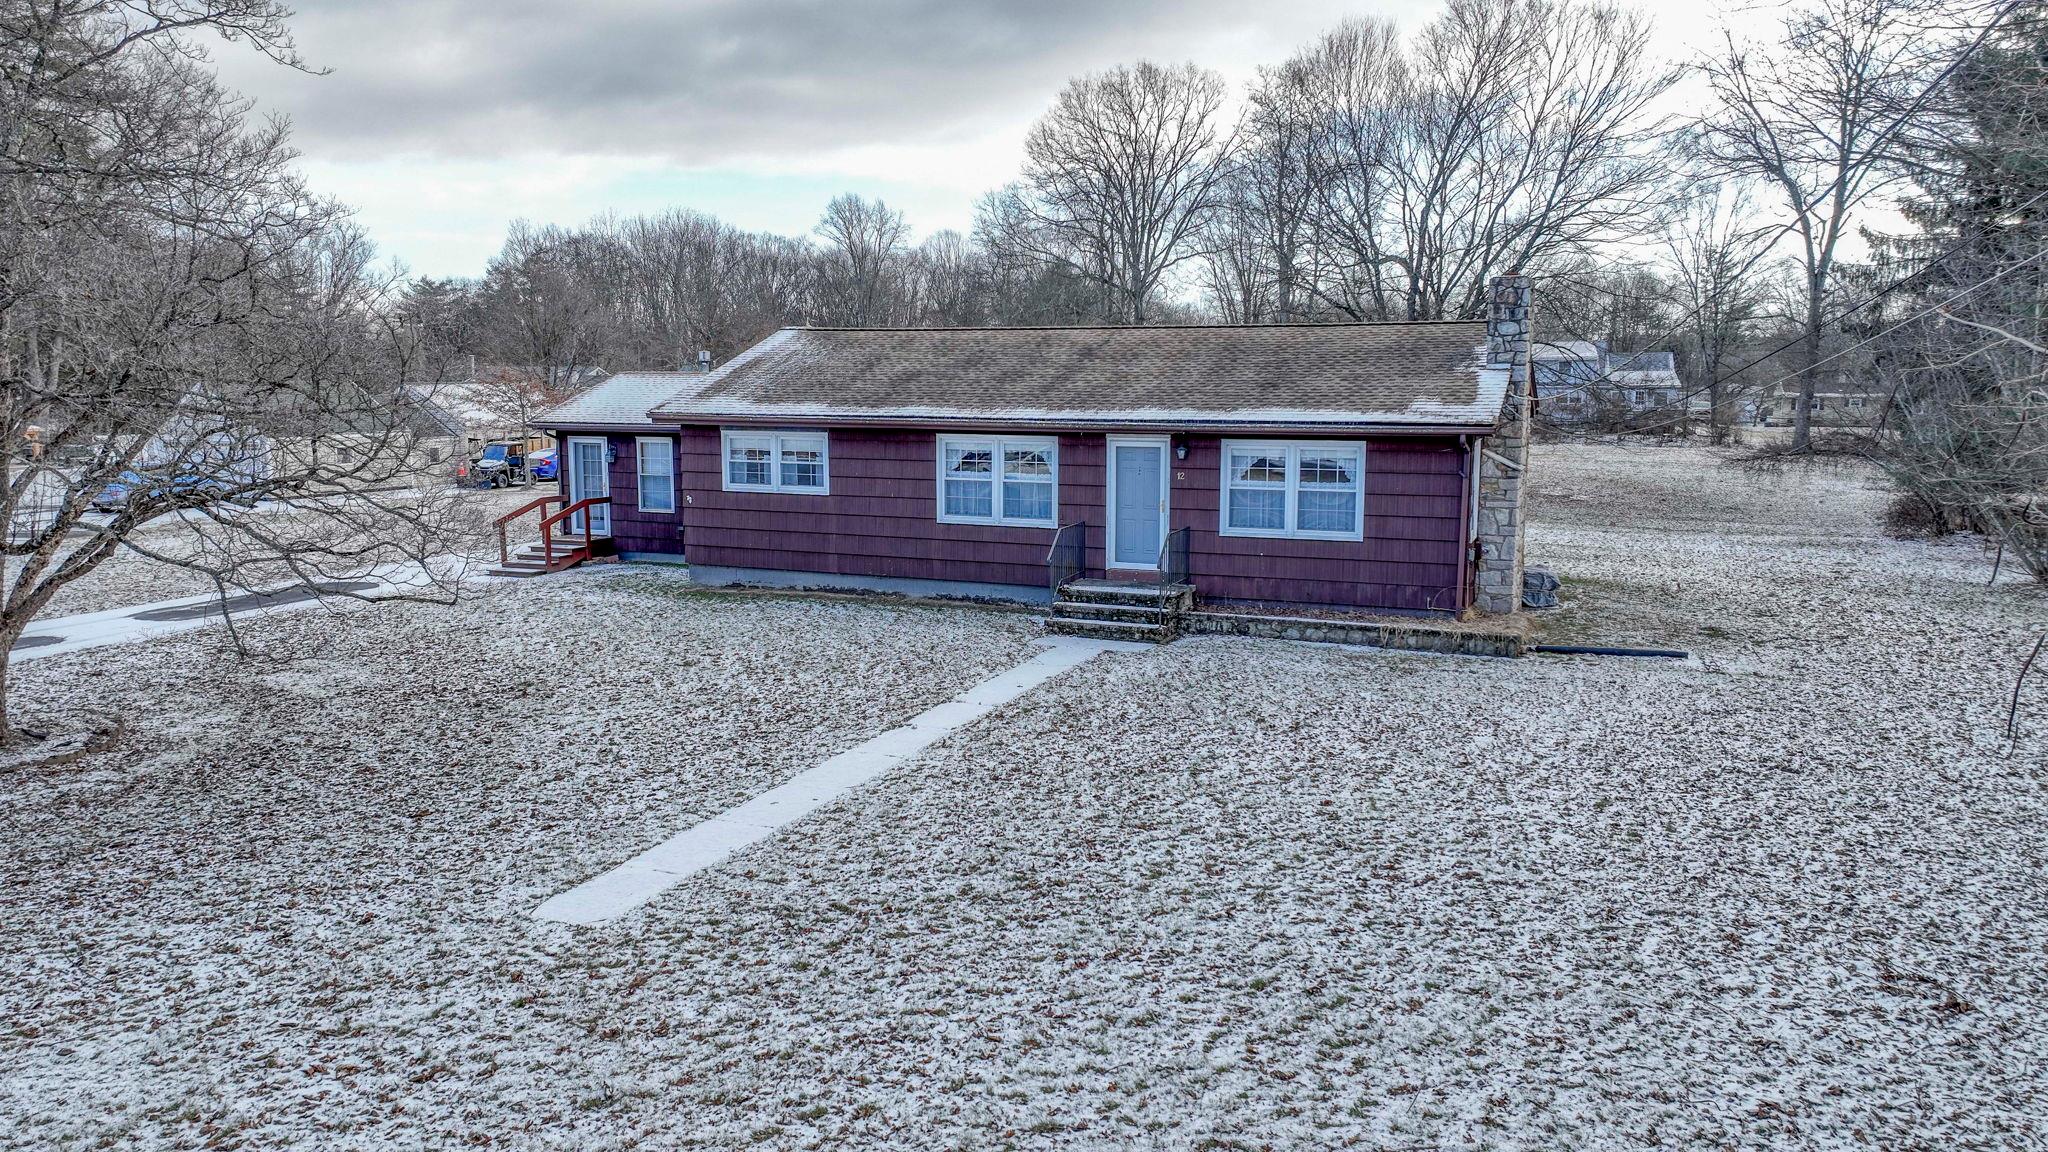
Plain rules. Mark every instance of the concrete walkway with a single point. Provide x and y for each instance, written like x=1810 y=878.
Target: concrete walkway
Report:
x=62 y=634
x=699 y=847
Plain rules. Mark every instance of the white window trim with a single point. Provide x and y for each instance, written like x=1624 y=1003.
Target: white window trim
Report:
x=1292 y=449
x=575 y=493
x=667 y=448
x=776 y=436
x=1050 y=444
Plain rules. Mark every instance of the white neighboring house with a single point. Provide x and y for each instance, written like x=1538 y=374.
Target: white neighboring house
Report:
x=1842 y=398
x=1567 y=377
x=499 y=402
x=1646 y=382
x=1581 y=382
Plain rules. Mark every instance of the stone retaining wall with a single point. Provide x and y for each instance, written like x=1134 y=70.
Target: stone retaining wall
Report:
x=1418 y=637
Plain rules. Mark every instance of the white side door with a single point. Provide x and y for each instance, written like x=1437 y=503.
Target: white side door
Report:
x=589 y=476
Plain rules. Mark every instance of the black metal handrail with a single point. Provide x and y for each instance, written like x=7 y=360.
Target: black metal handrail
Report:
x=1173 y=557
x=1068 y=556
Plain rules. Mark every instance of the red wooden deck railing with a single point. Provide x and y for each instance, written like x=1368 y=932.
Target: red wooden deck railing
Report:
x=504 y=549
x=547 y=529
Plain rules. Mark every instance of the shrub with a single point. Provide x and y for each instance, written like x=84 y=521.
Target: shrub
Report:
x=1913 y=517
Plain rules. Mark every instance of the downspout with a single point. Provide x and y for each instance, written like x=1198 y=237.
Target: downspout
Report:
x=1468 y=569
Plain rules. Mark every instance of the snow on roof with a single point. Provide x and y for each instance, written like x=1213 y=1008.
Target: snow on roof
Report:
x=1644 y=369
x=1653 y=378
x=1663 y=361
x=623 y=400
x=1565 y=350
x=1218 y=376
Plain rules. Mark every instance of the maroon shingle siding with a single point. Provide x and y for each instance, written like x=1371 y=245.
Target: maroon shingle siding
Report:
x=881 y=520
x=632 y=529
x=1410 y=560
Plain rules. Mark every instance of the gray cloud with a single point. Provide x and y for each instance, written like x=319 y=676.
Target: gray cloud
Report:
x=701 y=82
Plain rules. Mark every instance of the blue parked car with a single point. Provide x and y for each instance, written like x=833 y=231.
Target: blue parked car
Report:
x=130 y=484
x=544 y=465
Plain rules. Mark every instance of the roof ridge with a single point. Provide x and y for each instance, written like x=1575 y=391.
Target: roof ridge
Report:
x=1119 y=327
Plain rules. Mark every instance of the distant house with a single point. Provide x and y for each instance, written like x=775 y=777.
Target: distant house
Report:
x=1373 y=467
x=1568 y=378
x=1646 y=382
x=1582 y=382
x=1842 y=398
x=501 y=402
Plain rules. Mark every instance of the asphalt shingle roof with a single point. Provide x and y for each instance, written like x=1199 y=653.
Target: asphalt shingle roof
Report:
x=623 y=400
x=1425 y=374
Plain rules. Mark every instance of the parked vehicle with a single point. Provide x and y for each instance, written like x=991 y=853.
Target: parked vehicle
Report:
x=502 y=465
x=129 y=485
x=544 y=464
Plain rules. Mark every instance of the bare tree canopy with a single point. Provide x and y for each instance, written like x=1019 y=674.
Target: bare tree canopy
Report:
x=864 y=244
x=1812 y=114
x=1507 y=136
x=1122 y=175
x=1712 y=246
x=181 y=321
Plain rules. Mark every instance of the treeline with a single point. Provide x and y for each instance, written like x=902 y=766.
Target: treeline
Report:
x=1368 y=177
x=1380 y=176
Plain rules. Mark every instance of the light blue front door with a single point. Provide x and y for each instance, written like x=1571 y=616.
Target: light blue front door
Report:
x=589 y=477
x=1140 y=511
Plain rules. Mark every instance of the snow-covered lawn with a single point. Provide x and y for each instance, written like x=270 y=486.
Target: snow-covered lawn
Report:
x=129 y=578
x=1225 y=894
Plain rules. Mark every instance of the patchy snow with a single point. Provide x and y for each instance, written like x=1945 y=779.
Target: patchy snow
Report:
x=1227 y=893
x=128 y=578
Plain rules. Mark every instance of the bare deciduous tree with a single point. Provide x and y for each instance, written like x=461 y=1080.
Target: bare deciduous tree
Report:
x=182 y=323
x=1810 y=115
x=1712 y=246
x=1256 y=259
x=1510 y=135
x=864 y=244
x=1122 y=175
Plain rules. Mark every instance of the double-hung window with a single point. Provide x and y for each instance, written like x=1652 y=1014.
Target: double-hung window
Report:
x=776 y=462
x=1309 y=489
x=999 y=480
x=657 y=467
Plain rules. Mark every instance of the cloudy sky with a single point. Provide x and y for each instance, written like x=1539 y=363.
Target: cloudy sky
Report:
x=443 y=120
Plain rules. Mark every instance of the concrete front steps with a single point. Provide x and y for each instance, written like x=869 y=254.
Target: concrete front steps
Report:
x=529 y=560
x=1115 y=610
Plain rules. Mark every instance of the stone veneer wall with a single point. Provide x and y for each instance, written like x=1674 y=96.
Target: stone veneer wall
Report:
x=1504 y=456
x=1416 y=637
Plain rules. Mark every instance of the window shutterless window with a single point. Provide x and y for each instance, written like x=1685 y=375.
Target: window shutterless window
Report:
x=999 y=480
x=777 y=462
x=1310 y=489
x=657 y=466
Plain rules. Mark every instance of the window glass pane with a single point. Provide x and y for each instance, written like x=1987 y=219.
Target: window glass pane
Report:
x=970 y=459
x=1327 y=510
x=974 y=498
x=1263 y=509
x=749 y=460
x=803 y=464
x=657 y=479
x=1258 y=468
x=1027 y=462
x=1027 y=500
x=1329 y=469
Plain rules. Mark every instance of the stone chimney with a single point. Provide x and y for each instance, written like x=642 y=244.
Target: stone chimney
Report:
x=1504 y=456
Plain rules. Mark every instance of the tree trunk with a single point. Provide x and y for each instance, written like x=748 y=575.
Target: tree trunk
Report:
x=1809 y=376
x=1717 y=419
x=9 y=633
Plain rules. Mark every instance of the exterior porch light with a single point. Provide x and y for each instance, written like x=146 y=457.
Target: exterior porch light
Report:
x=1180 y=447
x=611 y=453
